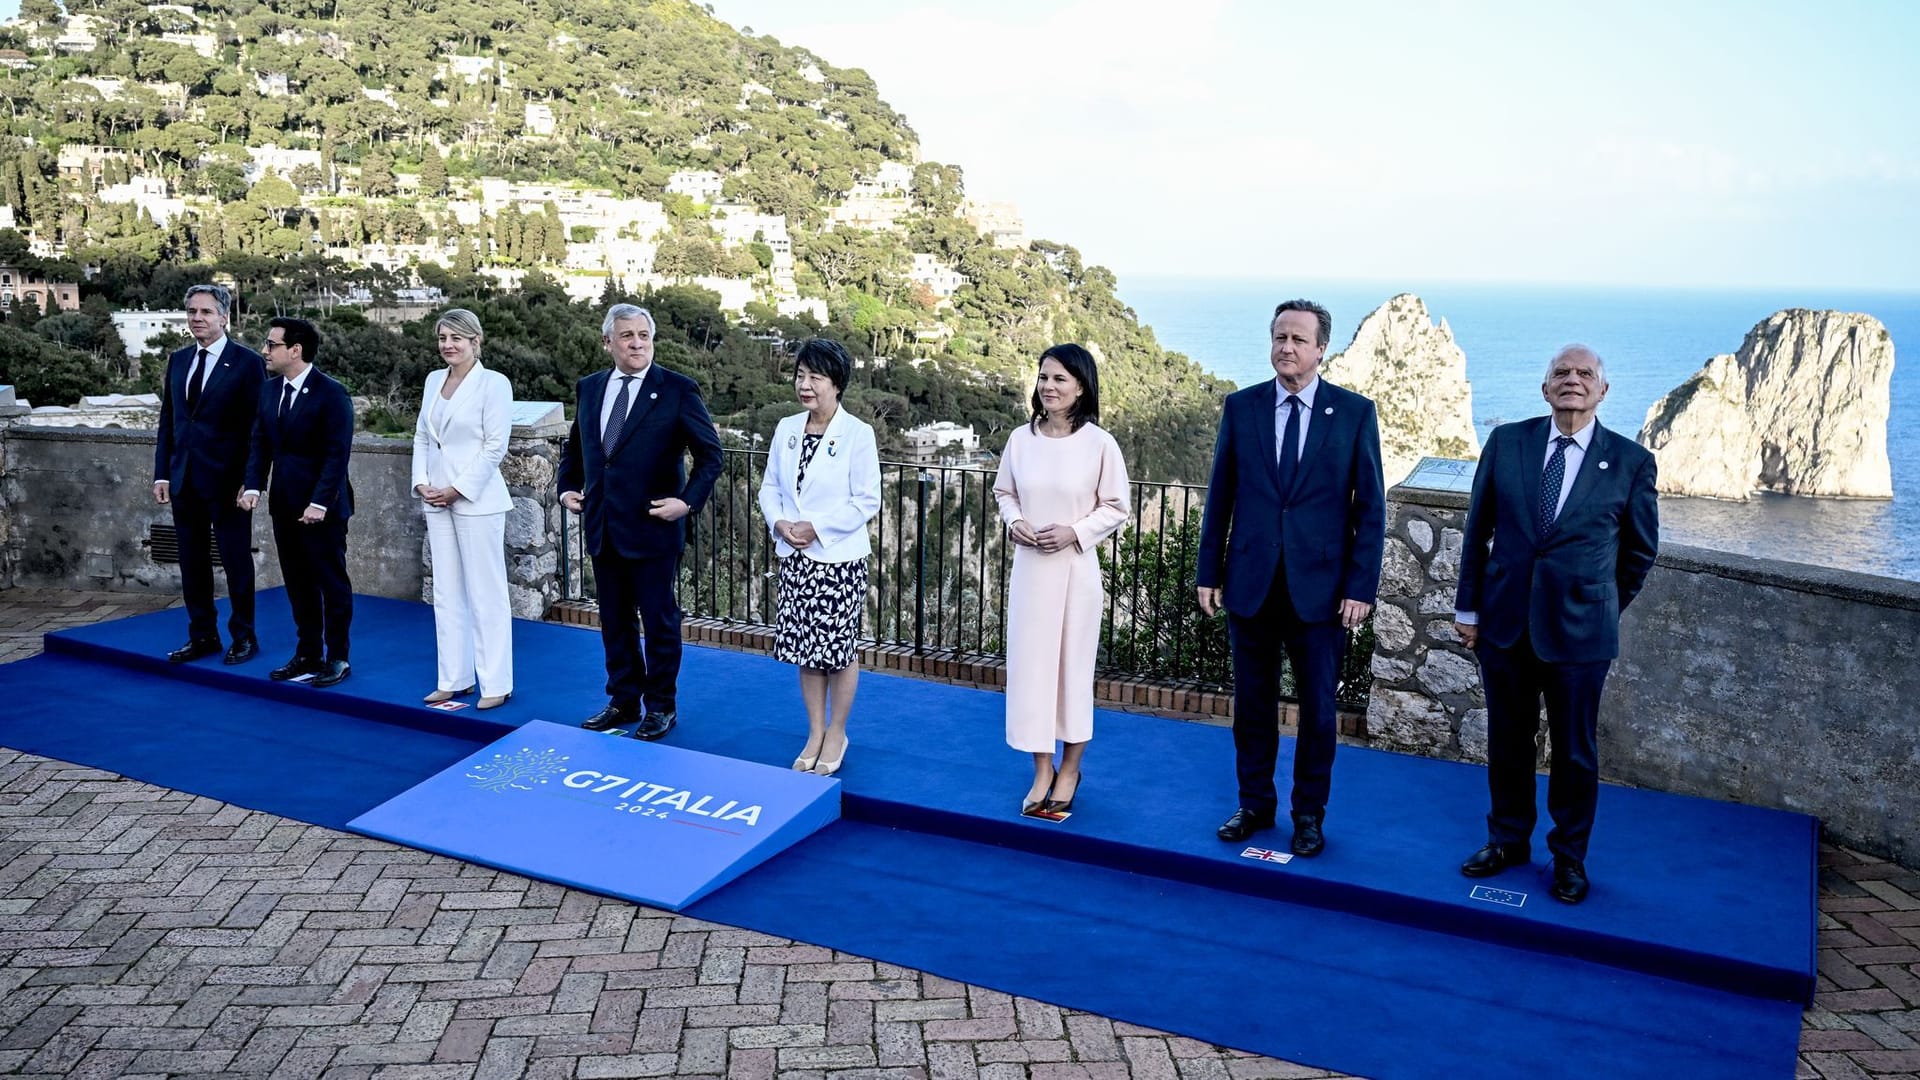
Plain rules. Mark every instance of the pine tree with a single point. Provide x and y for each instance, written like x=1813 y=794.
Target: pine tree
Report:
x=433 y=172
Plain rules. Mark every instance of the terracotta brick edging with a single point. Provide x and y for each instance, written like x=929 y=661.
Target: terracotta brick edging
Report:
x=1179 y=701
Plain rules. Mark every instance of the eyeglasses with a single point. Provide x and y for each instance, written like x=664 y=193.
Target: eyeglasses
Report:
x=271 y=345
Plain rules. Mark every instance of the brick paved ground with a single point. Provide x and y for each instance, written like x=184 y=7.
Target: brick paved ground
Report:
x=148 y=932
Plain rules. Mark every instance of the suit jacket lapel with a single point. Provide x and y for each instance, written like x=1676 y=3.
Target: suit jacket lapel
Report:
x=177 y=383
x=1586 y=477
x=436 y=381
x=638 y=404
x=593 y=392
x=790 y=461
x=213 y=379
x=1266 y=401
x=1317 y=429
x=1532 y=461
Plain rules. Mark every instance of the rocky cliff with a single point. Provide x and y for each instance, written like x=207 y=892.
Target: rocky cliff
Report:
x=1801 y=409
x=1417 y=376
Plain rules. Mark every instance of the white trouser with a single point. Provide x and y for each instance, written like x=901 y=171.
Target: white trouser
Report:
x=472 y=619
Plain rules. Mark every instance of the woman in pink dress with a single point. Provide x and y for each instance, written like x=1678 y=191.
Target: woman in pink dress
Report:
x=1062 y=489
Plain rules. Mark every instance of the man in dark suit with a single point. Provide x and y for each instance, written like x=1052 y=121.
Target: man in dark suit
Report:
x=623 y=471
x=301 y=441
x=1291 y=541
x=199 y=462
x=1563 y=527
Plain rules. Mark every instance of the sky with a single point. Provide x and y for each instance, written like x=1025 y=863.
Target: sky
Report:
x=1694 y=144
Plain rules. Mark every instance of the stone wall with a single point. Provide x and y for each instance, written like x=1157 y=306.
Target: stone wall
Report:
x=1776 y=684
x=78 y=507
x=1762 y=682
x=1426 y=686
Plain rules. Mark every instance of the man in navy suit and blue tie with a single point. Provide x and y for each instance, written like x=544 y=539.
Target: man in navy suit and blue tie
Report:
x=199 y=465
x=302 y=440
x=624 y=471
x=1291 y=541
x=1562 y=530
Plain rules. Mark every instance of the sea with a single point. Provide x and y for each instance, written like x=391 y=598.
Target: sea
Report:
x=1651 y=340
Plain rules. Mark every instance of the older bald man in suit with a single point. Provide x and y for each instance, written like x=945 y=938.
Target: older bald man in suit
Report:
x=1561 y=532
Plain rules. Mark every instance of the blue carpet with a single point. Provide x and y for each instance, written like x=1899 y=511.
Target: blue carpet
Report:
x=1088 y=916
x=1708 y=892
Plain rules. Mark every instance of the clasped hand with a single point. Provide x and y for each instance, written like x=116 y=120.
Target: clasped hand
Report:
x=800 y=534
x=441 y=497
x=1048 y=538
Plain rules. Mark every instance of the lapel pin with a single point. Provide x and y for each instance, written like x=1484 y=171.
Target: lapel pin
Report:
x=653 y=397
x=1603 y=464
x=1329 y=410
x=793 y=441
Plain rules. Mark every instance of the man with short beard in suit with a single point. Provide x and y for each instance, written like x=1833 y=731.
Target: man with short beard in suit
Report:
x=301 y=441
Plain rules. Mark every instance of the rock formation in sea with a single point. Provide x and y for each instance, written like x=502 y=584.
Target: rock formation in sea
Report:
x=1801 y=409
x=1417 y=377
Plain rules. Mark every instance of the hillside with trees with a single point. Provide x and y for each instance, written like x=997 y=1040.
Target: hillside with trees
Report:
x=326 y=157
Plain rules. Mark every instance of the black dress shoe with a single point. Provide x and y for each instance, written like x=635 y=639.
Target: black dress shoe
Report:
x=612 y=716
x=1494 y=858
x=294 y=668
x=332 y=673
x=242 y=651
x=654 y=725
x=1242 y=824
x=1308 y=840
x=194 y=650
x=1569 y=880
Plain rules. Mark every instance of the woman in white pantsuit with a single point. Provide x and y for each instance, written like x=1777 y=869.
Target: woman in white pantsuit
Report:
x=465 y=419
x=1062 y=489
x=821 y=487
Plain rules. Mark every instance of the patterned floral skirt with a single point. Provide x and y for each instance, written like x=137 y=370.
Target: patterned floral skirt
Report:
x=820 y=607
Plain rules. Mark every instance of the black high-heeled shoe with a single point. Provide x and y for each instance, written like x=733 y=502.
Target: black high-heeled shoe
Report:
x=1029 y=808
x=1050 y=806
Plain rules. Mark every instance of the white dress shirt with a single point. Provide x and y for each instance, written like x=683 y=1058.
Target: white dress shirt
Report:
x=213 y=360
x=299 y=383
x=613 y=394
x=1280 y=416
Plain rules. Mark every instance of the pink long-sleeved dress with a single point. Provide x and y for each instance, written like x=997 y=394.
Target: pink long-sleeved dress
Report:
x=1054 y=599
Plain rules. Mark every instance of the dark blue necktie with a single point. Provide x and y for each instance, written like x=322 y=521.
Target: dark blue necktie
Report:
x=1550 y=479
x=193 y=379
x=1290 y=444
x=610 y=437
x=286 y=403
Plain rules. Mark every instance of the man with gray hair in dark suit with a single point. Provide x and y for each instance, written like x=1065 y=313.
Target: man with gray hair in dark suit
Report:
x=207 y=405
x=624 y=472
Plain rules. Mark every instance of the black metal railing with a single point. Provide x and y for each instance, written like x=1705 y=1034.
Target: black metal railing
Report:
x=938 y=579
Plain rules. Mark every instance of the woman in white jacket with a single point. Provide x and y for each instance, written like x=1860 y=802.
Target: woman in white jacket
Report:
x=465 y=419
x=821 y=487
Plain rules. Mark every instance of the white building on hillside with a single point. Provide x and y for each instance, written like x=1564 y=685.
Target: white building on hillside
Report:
x=278 y=160
x=927 y=442
x=700 y=185
x=137 y=329
x=940 y=279
x=997 y=221
x=539 y=121
x=149 y=193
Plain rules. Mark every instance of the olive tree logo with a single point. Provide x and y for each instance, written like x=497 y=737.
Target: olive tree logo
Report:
x=522 y=770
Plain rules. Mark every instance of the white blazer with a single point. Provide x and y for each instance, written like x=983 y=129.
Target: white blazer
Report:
x=464 y=449
x=842 y=492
